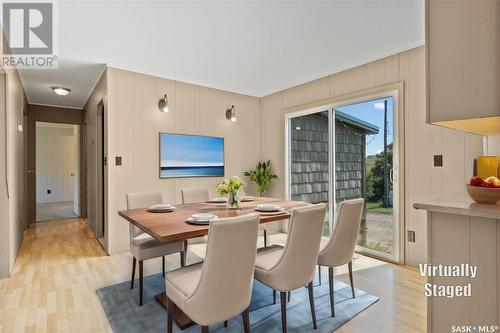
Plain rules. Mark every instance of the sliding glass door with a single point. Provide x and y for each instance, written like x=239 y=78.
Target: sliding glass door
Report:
x=345 y=151
x=309 y=156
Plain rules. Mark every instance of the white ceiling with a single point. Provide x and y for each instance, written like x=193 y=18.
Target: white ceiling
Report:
x=81 y=77
x=252 y=47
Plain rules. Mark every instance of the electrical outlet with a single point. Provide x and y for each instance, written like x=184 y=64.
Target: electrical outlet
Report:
x=438 y=160
x=411 y=236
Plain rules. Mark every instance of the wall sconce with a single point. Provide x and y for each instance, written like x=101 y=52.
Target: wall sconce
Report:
x=163 y=104
x=231 y=113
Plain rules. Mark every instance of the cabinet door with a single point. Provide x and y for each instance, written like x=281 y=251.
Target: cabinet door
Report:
x=463 y=45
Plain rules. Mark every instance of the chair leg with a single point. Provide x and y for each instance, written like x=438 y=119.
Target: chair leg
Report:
x=225 y=323
x=163 y=265
x=319 y=274
x=133 y=273
x=141 y=281
x=274 y=296
x=332 y=291
x=204 y=329
x=265 y=238
x=349 y=265
x=184 y=254
x=169 y=316
x=283 y=311
x=311 y=303
x=246 y=321
x=289 y=295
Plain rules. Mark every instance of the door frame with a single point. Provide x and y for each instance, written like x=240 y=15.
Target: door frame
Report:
x=50 y=114
x=395 y=90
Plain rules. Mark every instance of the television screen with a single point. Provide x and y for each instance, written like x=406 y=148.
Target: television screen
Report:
x=184 y=155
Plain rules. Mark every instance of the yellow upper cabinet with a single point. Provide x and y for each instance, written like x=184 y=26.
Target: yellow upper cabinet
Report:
x=463 y=64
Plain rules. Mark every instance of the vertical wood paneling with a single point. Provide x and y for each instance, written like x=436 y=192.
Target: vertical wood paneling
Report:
x=453 y=163
x=417 y=156
x=306 y=93
x=483 y=246
x=135 y=123
x=451 y=246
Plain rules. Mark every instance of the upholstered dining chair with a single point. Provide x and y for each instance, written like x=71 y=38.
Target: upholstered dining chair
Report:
x=194 y=196
x=220 y=287
x=142 y=245
x=262 y=227
x=293 y=266
x=339 y=249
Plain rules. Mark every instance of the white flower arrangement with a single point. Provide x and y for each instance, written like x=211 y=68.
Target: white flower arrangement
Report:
x=231 y=185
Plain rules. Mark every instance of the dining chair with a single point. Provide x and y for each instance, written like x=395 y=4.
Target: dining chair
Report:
x=195 y=196
x=292 y=266
x=262 y=227
x=143 y=246
x=220 y=287
x=339 y=249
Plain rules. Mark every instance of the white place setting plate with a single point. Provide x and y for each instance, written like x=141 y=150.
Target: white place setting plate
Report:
x=276 y=212
x=246 y=198
x=218 y=200
x=202 y=218
x=268 y=208
x=161 y=208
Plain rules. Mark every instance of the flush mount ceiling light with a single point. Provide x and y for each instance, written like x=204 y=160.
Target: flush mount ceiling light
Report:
x=231 y=113
x=163 y=104
x=61 y=91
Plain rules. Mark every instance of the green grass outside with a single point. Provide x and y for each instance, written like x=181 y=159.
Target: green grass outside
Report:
x=376 y=207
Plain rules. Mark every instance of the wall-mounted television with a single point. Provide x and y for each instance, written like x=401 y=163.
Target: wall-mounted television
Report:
x=183 y=155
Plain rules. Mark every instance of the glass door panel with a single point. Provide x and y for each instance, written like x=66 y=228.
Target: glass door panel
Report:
x=308 y=159
x=366 y=166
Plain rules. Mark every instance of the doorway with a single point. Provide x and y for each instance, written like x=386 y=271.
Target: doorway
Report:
x=350 y=149
x=57 y=171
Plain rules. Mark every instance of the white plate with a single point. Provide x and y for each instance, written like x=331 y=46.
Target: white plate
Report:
x=162 y=207
x=203 y=217
x=171 y=209
x=190 y=220
x=246 y=198
x=276 y=212
x=218 y=200
x=268 y=208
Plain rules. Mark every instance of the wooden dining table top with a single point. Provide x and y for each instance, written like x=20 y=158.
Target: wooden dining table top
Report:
x=171 y=226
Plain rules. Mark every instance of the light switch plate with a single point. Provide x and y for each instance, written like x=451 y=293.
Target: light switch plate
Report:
x=118 y=160
x=438 y=160
x=411 y=236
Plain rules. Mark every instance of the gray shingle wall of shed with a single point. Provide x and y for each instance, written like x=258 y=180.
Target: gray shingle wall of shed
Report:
x=309 y=160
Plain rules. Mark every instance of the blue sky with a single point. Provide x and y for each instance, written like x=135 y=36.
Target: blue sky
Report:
x=368 y=112
x=191 y=150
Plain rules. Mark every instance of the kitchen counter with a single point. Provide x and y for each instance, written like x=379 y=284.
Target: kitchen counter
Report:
x=460 y=206
x=462 y=232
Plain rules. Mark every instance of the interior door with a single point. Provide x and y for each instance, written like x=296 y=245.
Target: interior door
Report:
x=76 y=170
x=101 y=159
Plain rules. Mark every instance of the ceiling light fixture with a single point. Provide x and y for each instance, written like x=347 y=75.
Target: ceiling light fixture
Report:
x=61 y=91
x=163 y=104
x=231 y=113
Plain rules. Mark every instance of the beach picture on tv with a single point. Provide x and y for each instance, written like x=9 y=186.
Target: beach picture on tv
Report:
x=191 y=156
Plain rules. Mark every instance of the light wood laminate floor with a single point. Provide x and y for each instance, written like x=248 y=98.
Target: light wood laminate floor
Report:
x=60 y=265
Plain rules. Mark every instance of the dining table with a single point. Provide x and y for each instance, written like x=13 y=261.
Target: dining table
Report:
x=173 y=226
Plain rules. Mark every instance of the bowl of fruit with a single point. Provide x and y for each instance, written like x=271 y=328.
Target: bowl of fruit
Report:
x=485 y=191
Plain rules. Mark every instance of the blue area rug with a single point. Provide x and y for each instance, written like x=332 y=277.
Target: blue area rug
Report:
x=124 y=314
